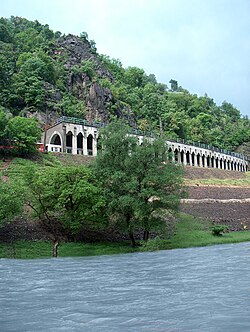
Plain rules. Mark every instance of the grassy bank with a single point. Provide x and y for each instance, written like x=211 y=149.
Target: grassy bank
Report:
x=239 y=182
x=190 y=232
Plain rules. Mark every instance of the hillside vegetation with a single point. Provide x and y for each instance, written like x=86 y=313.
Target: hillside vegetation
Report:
x=47 y=74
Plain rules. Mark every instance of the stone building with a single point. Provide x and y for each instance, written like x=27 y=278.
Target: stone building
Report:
x=76 y=136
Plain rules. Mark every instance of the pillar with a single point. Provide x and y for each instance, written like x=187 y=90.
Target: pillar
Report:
x=195 y=160
x=85 y=150
x=63 y=138
x=74 y=142
x=184 y=158
x=95 y=144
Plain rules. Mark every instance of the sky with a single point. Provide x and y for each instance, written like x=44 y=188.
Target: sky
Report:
x=203 y=44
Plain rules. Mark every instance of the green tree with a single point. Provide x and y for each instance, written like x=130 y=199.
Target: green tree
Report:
x=11 y=201
x=138 y=180
x=23 y=134
x=69 y=195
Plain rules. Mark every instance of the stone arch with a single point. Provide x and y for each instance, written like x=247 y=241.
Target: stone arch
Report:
x=90 y=141
x=170 y=154
x=203 y=160
x=212 y=161
x=228 y=164
x=221 y=163
x=176 y=155
x=217 y=162
x=188 y=157
x=198 y=159
x=56 y=139
x=69 y=141
x=225 y=164
x=208 y=161
x=232 y=166
x=192 y=158
x=80 y=143
x=182 y=156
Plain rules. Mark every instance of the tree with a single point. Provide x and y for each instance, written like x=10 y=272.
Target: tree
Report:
x=11 y=201
x=68 y=194
x=23 y=133
x=174 y=85
x=138 y=181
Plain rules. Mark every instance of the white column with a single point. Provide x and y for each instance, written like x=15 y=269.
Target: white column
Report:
x=85 y=150
x=205 y=161
x=184 y=158
x=95 y=144
x=74 y=142
x=179 y=157
x=195 y=160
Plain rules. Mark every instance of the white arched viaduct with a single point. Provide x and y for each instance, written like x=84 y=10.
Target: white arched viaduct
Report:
x=71 y=135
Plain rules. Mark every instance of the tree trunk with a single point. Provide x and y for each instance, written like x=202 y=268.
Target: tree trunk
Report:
x=55 y=249
x=146 y=235
x=132 y=239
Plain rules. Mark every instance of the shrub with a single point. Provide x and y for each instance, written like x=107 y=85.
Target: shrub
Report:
x=217 y=230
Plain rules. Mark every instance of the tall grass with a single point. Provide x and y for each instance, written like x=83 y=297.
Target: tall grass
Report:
x=190 y=232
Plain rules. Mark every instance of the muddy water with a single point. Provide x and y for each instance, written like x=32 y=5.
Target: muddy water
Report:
x=197 y=289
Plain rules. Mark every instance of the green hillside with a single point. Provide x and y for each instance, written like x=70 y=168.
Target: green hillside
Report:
x=47 y=74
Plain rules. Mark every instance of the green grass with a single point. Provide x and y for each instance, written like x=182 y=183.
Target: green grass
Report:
x=190 y=232
x=44 y=249
x=242 y=182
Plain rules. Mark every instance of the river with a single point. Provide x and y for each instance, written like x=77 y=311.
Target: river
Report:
x=182 y=290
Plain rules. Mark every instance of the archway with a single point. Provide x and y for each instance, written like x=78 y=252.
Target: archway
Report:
x=221 y=164
x=212 y=161
x=208 y=161
x=90 y=145
x=217 y=162
x=198 y=159
x=176 y=155
x=192 y=158
x=182 y=156
x=80 y=143
x=170 y=154
x=56 y=140
x=188 y=157
x=69 y=139
x=203 y=160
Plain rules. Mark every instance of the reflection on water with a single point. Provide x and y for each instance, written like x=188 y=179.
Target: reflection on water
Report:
x=197 y=289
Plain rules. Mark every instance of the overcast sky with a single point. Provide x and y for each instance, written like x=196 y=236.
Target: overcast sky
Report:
x=203 y=44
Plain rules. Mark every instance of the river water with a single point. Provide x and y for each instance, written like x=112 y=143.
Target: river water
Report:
x=197 y=289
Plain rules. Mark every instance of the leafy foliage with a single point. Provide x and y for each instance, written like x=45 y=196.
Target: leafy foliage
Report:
x=18 y=134
x=138 y=181
x=69 y=194
x=11 y=201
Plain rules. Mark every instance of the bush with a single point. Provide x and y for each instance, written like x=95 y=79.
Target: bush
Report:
x=217 y=230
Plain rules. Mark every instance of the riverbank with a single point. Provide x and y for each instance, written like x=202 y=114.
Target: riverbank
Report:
x=190 y=232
